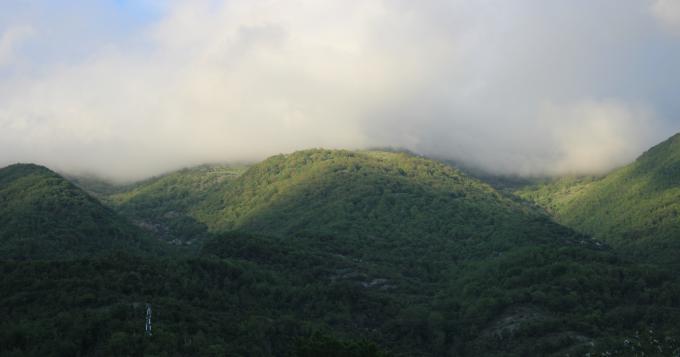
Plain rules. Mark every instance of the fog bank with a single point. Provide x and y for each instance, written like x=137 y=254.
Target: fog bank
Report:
x=130 y=89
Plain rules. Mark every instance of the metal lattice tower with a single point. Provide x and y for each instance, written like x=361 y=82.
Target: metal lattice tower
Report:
x=147 y=327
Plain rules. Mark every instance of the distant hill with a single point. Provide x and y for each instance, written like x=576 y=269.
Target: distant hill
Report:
x=44 y=216
x=635 y=208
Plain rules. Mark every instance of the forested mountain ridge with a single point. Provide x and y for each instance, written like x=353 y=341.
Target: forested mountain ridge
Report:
x=343 y=191
x=366 y=193
x=316 y=252
x=44 y=216
x=635 y=208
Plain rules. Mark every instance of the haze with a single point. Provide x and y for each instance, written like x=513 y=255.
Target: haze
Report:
x=129 y=89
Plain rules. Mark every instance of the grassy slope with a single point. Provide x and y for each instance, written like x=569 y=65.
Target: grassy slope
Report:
x=43 y=216
x=635 y=208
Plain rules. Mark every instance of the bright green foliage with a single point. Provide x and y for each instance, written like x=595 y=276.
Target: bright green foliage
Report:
x=357 y=194
x=164 y=205
x=635 y=208
x=371 y=196
x=43 y=216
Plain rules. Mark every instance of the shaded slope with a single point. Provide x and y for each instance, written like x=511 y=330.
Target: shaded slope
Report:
x=535 y=299
x=96 y=307
x=635 y=208
x=270 y=296
x=43 y=216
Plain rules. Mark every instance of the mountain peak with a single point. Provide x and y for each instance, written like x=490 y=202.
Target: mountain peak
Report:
x=44 y=216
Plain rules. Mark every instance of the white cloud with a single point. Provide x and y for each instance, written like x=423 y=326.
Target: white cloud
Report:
x=10 y=39
x=668 y=12
x=596 y=136
x=240 y=80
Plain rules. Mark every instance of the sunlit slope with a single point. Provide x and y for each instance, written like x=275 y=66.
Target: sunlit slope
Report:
x=372 y=196
x=636 y=208
x=164 y=205
x=43 y=216
x=367 y=195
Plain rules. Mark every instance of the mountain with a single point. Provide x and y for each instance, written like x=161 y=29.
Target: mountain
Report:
x=322 y=252
x=635 y=208
x=369 y=193
x=44 y=216
x=352 y=194
x=372 y=198
x=408 y=252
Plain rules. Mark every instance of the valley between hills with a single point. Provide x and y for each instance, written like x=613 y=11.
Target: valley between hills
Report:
x=342 y=253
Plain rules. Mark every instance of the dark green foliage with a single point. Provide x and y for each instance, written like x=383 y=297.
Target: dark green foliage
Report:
x=581 y=296
x=325 y=345
x=43 y=216
x=200 y=308
x=248 y=296
x=635 y=208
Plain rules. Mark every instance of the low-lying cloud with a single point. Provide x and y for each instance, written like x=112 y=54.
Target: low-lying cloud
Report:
x=525 y=87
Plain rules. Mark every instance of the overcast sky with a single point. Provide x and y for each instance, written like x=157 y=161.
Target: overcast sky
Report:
x=132 y=88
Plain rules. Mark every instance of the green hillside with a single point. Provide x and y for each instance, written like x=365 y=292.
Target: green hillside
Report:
x=369 y=195
x=353 y=194
x=164 y=205
x=635 y=208
x=43 y=216
x=408 y=252
x=325 y=252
